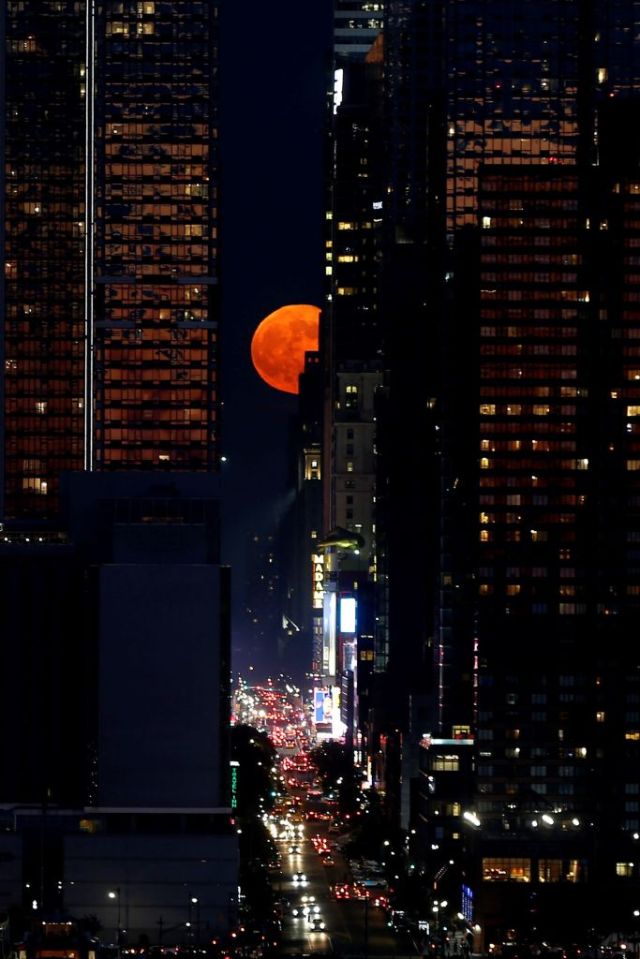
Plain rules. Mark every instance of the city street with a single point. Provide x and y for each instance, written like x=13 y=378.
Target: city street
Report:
x=352 y=926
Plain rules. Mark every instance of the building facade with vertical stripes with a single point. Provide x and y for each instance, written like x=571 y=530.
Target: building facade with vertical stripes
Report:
x=109 y=298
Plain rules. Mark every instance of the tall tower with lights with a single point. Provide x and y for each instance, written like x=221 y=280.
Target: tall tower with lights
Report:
x=109 y=234
x=508 y=161
x=108 y=407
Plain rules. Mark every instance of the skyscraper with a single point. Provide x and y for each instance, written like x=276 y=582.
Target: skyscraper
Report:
x=110 y=243
x=108 y=333
x=351 y=348
x=505 y=526
x=530 y=196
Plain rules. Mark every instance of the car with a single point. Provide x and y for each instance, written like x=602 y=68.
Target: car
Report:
x=294 y=850
x=299 y=877
x=328 y=861
x=316 y=924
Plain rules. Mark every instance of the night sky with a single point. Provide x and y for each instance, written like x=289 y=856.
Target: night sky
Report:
x=273 y=70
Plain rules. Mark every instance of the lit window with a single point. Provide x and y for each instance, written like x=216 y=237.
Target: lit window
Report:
x=445 y=764
x=506 y=870
x=624 y=869
x=601 y=716
x=567 y=609
x=36 y=484
x=554 y=870
x=487 y=409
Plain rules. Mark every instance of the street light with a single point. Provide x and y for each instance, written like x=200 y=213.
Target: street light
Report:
x=436 y=907
x=196 y=902
x=115 y=894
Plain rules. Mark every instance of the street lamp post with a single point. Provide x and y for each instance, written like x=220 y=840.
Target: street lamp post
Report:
x=439 y=928
x=115 y=894
x=366 y=925
x=196 y=902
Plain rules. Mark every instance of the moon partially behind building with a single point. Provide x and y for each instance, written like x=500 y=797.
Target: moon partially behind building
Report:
x=280 y=343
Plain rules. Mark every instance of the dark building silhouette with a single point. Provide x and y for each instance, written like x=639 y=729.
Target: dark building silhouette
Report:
x=115 y=621
x=525 y=215
x=503 y=719
x=115 y=702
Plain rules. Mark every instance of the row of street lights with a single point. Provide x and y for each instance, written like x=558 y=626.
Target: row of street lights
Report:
x=121 y=933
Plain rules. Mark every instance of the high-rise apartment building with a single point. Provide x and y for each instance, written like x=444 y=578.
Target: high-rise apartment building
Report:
x=357 y=25
x=110 y=237
x=507 y=284
x=351 y=347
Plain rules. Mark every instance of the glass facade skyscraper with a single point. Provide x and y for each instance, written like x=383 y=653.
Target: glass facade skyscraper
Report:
x=512 y=159
x=43 y=288
x=110 y=235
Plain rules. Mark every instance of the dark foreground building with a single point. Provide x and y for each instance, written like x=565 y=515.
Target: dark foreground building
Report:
x=506 y=513
x=115 y=607
x=115 y=704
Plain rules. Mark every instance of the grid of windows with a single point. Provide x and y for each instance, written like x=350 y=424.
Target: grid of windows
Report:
x=156 y=236
x=150 y=332
x=44 y=252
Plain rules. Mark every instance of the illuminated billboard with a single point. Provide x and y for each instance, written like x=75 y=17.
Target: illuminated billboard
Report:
x=347 y=614
x=322 y=705
x=329 y=633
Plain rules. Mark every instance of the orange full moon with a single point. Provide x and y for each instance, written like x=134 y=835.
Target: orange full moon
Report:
x=280 y=342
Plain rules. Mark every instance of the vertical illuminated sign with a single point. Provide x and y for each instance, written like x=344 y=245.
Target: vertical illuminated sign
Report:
x=467 y=903
x=235 y=765
x=317 y=563
x=329 y=634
